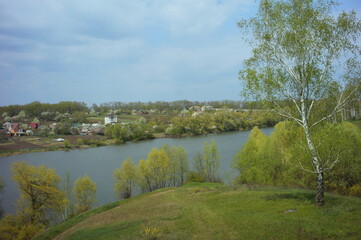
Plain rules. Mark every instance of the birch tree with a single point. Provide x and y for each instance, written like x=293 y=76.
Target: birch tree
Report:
x=299 y=50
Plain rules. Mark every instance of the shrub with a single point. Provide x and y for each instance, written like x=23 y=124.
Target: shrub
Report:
x=80 y=141
x=355 y=190
x=67 y=144
x=195 y=177
x=151 y=233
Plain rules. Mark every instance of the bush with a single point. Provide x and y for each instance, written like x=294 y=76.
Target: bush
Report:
x=80 y=141
x=67 y=144
x=195 y=177
x=355 y=190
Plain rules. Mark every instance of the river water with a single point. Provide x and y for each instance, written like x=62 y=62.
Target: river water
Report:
x=99 y=163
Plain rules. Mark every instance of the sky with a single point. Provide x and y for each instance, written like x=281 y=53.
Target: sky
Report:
x=123 y=50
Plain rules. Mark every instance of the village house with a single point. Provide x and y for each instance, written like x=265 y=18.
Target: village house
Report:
x=13 y=129
x=207 y=108
x=34 y=126
x=110 y=119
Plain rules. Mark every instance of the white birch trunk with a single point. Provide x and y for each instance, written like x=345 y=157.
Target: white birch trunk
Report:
x=318 y=168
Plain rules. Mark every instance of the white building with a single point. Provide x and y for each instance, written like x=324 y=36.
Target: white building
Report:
x=110 y=119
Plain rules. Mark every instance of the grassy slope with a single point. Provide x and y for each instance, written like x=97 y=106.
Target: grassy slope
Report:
x=357 y=123
x=213 y=211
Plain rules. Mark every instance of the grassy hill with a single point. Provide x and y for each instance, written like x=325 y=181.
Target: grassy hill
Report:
x=215 y=211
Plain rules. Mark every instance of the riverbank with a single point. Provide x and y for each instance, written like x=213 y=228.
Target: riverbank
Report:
x=30 y=144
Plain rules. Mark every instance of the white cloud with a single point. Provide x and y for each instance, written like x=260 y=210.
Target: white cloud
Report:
x=111 y=50
x=188 y=17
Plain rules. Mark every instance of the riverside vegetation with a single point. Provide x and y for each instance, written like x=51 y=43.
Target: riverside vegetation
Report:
x=263 y=160
x=144 y=123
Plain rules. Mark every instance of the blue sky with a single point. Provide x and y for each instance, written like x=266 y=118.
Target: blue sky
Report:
x=122 y=50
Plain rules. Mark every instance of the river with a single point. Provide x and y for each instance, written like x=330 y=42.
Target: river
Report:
x=99 y=163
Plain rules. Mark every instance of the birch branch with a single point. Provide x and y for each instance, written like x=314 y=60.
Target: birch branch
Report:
x=337 y=109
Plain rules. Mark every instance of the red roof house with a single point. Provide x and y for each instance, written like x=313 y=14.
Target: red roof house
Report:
x=34 y=125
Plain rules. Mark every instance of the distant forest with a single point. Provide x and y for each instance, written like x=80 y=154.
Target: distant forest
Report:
x=36 y=108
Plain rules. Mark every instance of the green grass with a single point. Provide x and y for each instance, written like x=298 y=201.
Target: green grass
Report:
x=357 y=123
x=215 y=211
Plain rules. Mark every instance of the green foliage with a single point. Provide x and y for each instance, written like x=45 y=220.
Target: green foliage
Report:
x=63 y=128
x=134 y=131
x=80 y=141
x=84 y=190
x=249 y=161
x=36 y=120
x=40 y=198
x=68 y=208
x=90 y=142
x=14 y=227
x=154 y=173
x=179 y=165
x=296 y=44
x=21 y=115
x=39 y=192
x=125 y=179
x=279 y=159
x=207 y=162
x=67 y=144
x=195 y=177
x=299 y=47
x=79 y=117
x=220 y=121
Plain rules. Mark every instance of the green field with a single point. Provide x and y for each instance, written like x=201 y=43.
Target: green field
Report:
x=215 y=211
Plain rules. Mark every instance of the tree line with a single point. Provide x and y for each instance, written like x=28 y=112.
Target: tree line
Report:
x=205 y=123
x=36 y=108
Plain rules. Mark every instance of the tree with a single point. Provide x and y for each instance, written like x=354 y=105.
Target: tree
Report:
x=39 y=192
x=249 y=160
x=67 y=144
x=159 y=166
x=36 y=120
x=299 y=45
x=207 y=162
x=68 y=208
x=154 y=173
x=199 y=167
x=21 y=115
x=179 y=165
x=182 y=164
x=84 y=190
x=275 y=159
x=211 y=159
x=79 y=117
x=125 y=178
